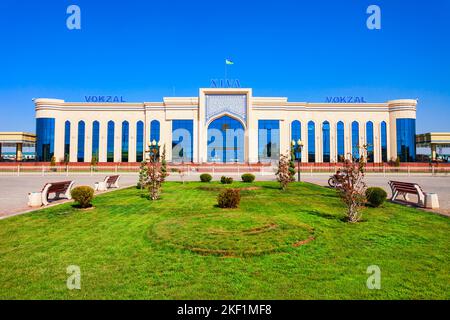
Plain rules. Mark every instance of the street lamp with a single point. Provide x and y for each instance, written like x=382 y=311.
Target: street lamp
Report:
x=298 y=145
x=153 y=150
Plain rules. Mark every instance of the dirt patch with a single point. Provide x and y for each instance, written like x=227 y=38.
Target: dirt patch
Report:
x=302 y=242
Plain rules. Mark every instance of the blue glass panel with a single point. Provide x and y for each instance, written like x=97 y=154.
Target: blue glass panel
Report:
x=296 y=134
x=326 y=141
x=140 y=141
x=226 y=140
x=125 y=137
x=355 y=140
x=383 y=142
x=80 y=146
x=311 y=141
x=182 y=140
x=406 y=139
x=154 y=131
x=110 y=142
x=340 y=141
x=67 y=141
x=95 y=139
x=45 y=139
x=369 y=141
x=268 y=140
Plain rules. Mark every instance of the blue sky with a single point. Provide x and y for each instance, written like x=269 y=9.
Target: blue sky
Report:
x=304 y=50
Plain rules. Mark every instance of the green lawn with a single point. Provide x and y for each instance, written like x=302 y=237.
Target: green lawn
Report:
x=277 y=245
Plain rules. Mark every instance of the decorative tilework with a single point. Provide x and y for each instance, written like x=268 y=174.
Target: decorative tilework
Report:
x=233 y=104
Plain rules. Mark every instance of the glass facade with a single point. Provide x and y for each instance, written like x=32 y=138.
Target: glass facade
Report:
x=140 y=141
x=67 y=141
x=125 y=140
x=155 y=131
x=406 y=139
x=80 y=146
x=383 y=130
x=311 y=141
x=296 y=134
x=110 y=142
x=369 y=141
x=355 y=140
x=226 y=140
x=45 y=139
x=95 y=139
x=268 y=140
x=326 y=141
x=182 y=140
x=340 y=139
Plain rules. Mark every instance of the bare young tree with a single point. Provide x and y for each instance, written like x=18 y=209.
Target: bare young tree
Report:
x=283 y=174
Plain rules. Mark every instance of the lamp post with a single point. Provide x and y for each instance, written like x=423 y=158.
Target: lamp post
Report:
x=298 y=145
x=153 y=150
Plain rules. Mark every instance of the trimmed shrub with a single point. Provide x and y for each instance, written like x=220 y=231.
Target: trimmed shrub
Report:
x=248 y=177
x=83 y=195
x=229 y=198
x=205 y=177
x=375 y=196
x=226 y=180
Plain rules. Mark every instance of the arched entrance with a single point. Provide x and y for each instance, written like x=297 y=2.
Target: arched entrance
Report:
x=226 y=140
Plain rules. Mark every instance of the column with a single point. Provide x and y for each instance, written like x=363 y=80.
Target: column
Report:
x=433 y=152
x=333 y=142
x=87 y=141
x=19 y=154
x=102 y=144
x=1 y=151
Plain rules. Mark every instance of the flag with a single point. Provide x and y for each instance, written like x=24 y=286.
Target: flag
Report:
x=228 y=61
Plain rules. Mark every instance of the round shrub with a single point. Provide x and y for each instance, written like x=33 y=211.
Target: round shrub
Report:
x=375 y=196
x=205 y=177
x=83 y=195
x=229 y=198
x=226 y=180
x=248 y=177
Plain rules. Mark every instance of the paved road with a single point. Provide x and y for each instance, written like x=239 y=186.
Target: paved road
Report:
x=14 y=189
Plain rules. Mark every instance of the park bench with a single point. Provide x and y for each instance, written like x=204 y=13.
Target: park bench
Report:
x=108 y=182
x=58 y=188
x=405 y=188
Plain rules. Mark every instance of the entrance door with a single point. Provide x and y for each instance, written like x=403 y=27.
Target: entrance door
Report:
x=226 y=140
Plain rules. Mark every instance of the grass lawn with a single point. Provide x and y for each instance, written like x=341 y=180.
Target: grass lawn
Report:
x=277 y=245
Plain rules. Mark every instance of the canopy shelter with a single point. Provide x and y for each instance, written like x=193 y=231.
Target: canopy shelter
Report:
x=19 y=140
x=433 y=140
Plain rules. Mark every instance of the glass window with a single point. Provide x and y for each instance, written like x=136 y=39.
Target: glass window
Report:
x=45 y=139
x=340 y=142
x=355 y=140
x=268 y=140
x=296 y=134
x=406 y=139
x=140 y=141
x=182 y=140
x=80 y=147
x=369 y=141
x=326 y=141
x=95 y=140
x=125 y=139
x=383 y=142
x=311 y=141
x=226 y=140
x=110 y=142
x=67 y=141
x=154 y=131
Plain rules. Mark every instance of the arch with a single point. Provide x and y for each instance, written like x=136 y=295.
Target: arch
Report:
x=125 y=140
x=81 y=136
x=139 y=141
x=110 y=142
x=296 y=134
x=355 y=139
x=226 y=114
x=369 y=141
x=340 y=141
x=225 y=140
x=155 y=131
x=95 y=140
x=311 y=141
x=383 y=140
x=326 y=141
x=67 y=141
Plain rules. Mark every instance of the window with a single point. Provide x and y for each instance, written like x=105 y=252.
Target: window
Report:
x=369 y=141
x=226 y=140
x=125 y=137
x=406 y=139
x=140 y=141
x=383 y=142
x=110 y=142
x=296 y=134
x=182 y=140
x=326 y=141
x=340 y=142
x=45 y=139
x=80 y=147
x=311 y=141
x=67 y=141
x=154 y=131
x=95 y=140
x=355 y=140
x=268 y=140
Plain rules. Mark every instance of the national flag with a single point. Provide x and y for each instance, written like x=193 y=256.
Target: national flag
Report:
x=229 y=61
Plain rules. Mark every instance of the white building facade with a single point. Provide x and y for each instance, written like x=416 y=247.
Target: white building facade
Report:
x=224 y=125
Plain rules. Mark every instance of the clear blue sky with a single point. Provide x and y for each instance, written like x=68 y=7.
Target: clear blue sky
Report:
x=304 y=50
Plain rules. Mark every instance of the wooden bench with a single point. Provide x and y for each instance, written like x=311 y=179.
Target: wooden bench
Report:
x=112 y=181
x=405 y=188
x=58 y=188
